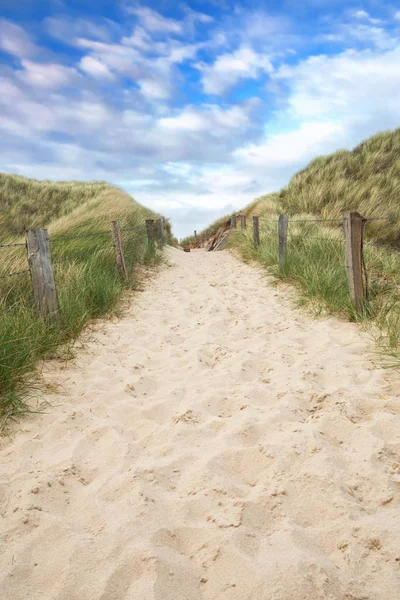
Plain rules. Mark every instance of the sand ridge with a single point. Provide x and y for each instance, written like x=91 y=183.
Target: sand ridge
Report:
x=214 y=443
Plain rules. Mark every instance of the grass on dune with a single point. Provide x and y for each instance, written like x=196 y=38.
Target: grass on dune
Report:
x=315 y=266
x=29 y=203
x=366 y=179
x=88 y=286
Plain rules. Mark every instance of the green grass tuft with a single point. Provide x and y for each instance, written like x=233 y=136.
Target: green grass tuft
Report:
x=88 y=286
x=366 y=179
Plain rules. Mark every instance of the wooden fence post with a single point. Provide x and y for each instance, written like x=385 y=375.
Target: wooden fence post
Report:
x=353 y=230
x=282 y=238
x=118 y=249
x=195 y=236
x=42 y=274
x=256 y=232
x=150 y=231
x=160 y=232
x=243 y=223
x=233 y=221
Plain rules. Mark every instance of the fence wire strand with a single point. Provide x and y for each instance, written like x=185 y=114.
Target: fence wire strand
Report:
x=14 y=274
x=313 y=237
x=133 y=229
x=12 y=245
x=315 y=221
x=79 y=237
x=75 y=257
x=389 y=219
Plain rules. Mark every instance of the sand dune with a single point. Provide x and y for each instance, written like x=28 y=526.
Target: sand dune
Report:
x=212 y=444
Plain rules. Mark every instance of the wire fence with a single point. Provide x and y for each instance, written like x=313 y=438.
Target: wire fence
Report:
x=343 y=238
x=14 y=274
x=338 y=220
x=53 y=251
x=12 y=245
x=79 y=237
x=73 y=258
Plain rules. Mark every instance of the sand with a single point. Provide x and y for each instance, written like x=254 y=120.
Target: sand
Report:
x=214 y=443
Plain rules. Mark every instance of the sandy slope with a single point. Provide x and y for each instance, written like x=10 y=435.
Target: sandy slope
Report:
x=213 y=444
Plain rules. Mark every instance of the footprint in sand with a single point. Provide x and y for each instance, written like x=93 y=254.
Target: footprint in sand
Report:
x=206 y=456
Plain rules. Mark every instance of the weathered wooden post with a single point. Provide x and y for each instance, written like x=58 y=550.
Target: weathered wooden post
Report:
x=282 y=238
x=42 y=274
x=233 y=221
x=195 y=236
x=160 y=232
x=118 y=249
x=256 y=232
x=150 y=231
x=353 y=230
x=243 y=223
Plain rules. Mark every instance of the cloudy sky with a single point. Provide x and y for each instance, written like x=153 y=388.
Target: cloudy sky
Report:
x=194 y=107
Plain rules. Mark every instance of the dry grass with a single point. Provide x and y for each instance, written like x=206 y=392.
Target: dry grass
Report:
x=88 y=286
x=366 y=179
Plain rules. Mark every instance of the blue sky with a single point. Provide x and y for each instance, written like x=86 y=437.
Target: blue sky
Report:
x=194 y=107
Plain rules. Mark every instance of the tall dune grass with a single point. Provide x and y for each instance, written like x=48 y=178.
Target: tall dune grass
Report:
x=88 y=285
x=315 y=266
x=366 y=179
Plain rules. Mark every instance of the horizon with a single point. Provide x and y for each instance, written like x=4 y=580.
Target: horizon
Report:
x=195 y=109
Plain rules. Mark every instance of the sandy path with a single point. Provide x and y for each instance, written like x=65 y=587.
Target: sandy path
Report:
x=213 y=444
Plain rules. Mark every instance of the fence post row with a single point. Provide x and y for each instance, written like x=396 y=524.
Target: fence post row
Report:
x=42 y=274
x=233 y=221
x=256 y=232
x=282 y=238
x=160 y=232
x=353 y=230
x=243 y=223
x=150 y=231
x=41 y=264
x=118 y=249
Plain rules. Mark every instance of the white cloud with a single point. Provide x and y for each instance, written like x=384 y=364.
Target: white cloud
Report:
x=263 y=29
x=361 y=14
x=355 y=86
x=333 y=102
x=45 y=111
x=14 y=40
x=231 y=68
x=192 y=158
x=10 y=93
x=153 y=21
x=154 y=89
x=193 y=16
x=208 y=118
x=397 y=15
x=139 y=39
x=91 y=115
x=284 y=150
x=117 y=57
x=135 y=119
x=69 y=29
x=151 y=64
x=47 y=75
x=95 y=68
x=371 y=35
x=364 y=34
x=179 y=53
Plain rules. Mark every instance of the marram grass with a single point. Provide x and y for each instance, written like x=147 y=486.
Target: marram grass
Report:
x=367 y=180
x=88 y=287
